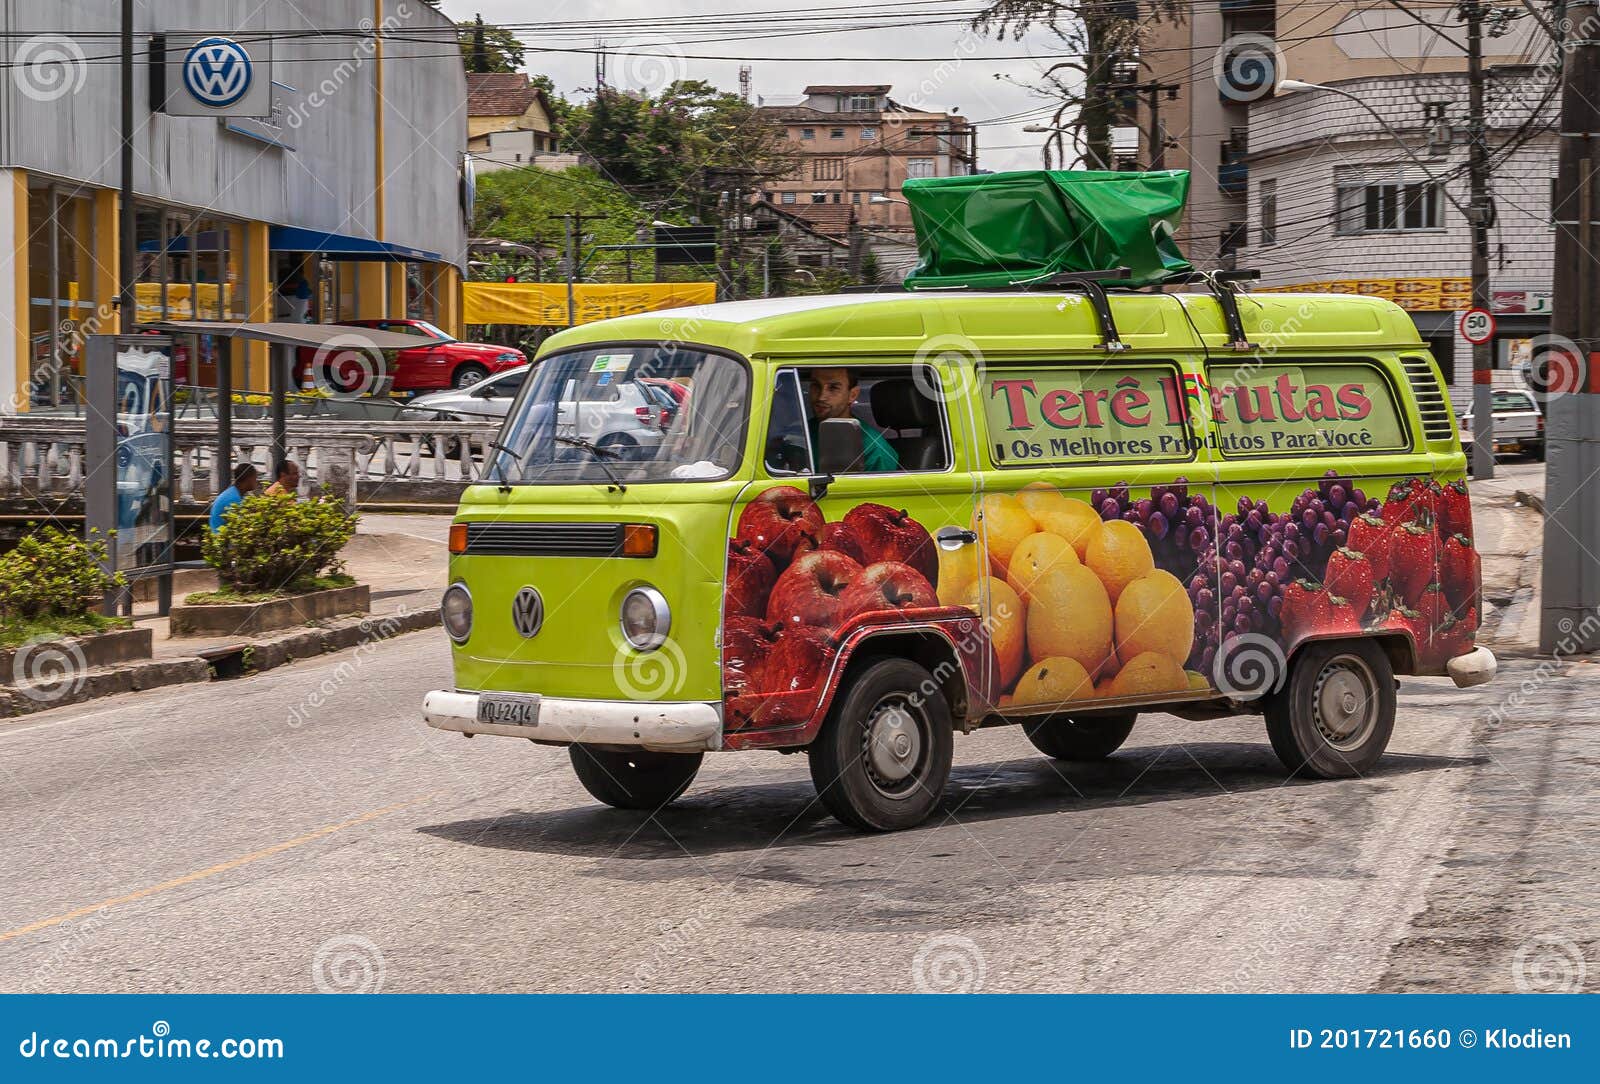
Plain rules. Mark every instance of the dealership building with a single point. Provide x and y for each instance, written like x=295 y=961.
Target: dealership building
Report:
x=303 y=162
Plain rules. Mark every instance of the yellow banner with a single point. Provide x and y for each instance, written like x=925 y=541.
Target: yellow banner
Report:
x=545 y=303
x=180 y=301
x=1414 y=295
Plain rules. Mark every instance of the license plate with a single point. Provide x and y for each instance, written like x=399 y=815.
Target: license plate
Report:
x=508 y=709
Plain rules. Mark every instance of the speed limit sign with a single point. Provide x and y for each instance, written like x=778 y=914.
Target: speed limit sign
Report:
x=1477 y=326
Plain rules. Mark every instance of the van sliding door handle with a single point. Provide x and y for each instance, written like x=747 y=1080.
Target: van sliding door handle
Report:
x=952 y=538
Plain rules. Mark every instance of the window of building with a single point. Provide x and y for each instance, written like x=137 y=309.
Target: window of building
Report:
x=919 y=167
x=808 y=133
x=868 y=132
x=861 y=103
x=855 y=197
x=1380 y=208
x=819 y=197
x=1268 y=214
x=827 y=169
x=787 y=197
x=835 y=133
x=836 y=196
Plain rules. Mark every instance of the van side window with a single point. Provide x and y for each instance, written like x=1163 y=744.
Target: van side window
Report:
x=1310 y=407
x=899 y=409
x=1095 y=413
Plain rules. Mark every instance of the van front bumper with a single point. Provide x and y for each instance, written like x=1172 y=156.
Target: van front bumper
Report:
x=1476 y=667
x=689 y=727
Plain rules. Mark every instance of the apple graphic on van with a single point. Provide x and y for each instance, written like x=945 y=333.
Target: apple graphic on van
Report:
x=798 y=661
x=888 y=534
x=746 y=643
x=842 y=537
x=750 y=579
x=778 y=522
x=888 y=585
x=811 y=591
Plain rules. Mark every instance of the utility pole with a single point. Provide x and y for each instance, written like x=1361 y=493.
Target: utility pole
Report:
x=1473 y=12
x=127 y=253
x=1153 y=92
x=574 y=221
x=1571 y=588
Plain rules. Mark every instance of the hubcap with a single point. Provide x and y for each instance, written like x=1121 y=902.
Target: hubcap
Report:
x=1345 y=702
x=894 y=744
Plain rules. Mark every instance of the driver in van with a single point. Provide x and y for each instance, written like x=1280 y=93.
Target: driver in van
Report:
x=832 y=393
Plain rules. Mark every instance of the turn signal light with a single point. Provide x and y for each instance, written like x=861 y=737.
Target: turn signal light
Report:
x=639 y=539
x=458 y=538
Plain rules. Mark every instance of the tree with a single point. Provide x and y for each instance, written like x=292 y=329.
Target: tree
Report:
x=682 y=148
x=488 y=48
x=522 y=204
x=1100 y=43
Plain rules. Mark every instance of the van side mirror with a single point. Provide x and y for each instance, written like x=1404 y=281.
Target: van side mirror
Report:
x=840 y=449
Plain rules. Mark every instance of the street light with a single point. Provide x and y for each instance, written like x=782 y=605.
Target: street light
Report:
x=879 y=197
x=1053 y=129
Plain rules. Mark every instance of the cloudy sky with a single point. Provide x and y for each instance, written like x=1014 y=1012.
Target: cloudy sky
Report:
x=922 y=47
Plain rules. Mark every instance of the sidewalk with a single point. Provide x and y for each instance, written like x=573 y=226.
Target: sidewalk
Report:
x=1509 y=536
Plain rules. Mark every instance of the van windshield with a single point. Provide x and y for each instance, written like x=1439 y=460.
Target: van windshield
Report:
x=636 y=413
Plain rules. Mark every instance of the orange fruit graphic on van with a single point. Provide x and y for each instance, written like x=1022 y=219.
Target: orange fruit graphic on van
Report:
x=1119 y=555
x=1059 y=514
x=1004 y=525
x=1006 y=621
x=1071 y=617
x=1054 y=681
x=1154 y=614
x=958 y=571
x=1037 y=554
x=1147 y=674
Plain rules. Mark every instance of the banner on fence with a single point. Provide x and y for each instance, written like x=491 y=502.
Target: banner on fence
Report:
x=545 y=303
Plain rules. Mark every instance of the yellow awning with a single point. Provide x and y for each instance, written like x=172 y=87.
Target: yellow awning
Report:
x=545 y=303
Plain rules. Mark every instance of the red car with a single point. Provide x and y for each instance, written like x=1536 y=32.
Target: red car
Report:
x=435 y=363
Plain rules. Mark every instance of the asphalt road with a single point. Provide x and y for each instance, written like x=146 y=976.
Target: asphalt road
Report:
x=303 y=830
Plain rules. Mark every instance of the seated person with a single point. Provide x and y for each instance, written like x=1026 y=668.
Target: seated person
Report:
x=244 y=481
x=832 y=393
x=286 y=479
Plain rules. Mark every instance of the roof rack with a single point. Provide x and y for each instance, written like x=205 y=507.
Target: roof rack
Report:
x=1221 y=285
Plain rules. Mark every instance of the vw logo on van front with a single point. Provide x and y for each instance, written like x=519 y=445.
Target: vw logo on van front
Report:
x=527 y=612
x=217 y=71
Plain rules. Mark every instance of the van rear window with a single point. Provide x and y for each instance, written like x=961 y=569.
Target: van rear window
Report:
x=1305 y=408
x=1064 y=414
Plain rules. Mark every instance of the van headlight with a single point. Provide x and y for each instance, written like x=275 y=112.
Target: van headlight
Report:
x=456 y=611
x=646 y=618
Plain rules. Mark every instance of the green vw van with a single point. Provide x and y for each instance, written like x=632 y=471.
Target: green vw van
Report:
x=870 y=521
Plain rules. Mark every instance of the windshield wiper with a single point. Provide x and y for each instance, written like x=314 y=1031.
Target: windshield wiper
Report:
x=600 y=456
x=505 y=484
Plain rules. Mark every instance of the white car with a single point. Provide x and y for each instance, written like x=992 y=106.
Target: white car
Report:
x=629 y=414
x=1518 y=423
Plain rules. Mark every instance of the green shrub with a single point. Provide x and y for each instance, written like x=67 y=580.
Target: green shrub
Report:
x=273 y=542
x=53 y=574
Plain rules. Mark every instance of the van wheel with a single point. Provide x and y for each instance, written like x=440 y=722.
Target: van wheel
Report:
x=883 y=756
x=1088 y=737
x=1333 y=717
x=635 y=778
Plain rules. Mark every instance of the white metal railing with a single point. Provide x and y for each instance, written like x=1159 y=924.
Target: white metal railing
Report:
x=399 y=461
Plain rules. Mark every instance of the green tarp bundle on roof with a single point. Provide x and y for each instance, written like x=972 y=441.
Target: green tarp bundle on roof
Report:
x=994 y=230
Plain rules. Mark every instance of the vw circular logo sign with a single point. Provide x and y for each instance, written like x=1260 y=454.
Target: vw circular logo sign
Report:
x=527 y=612
x=217 y=72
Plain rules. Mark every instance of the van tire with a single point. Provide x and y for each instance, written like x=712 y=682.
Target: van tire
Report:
x=634 y=778
x=1332 y=719
x=1086 y=737
x=898 y=783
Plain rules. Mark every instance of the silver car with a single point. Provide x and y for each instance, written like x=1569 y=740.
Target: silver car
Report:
x=631 y=414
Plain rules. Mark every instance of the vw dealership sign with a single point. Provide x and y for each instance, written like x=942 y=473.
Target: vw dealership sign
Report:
x=217 y=75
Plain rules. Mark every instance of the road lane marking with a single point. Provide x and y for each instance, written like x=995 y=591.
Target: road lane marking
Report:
x=212 y=871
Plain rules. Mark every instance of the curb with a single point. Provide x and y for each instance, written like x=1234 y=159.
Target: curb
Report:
x=252 y=656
